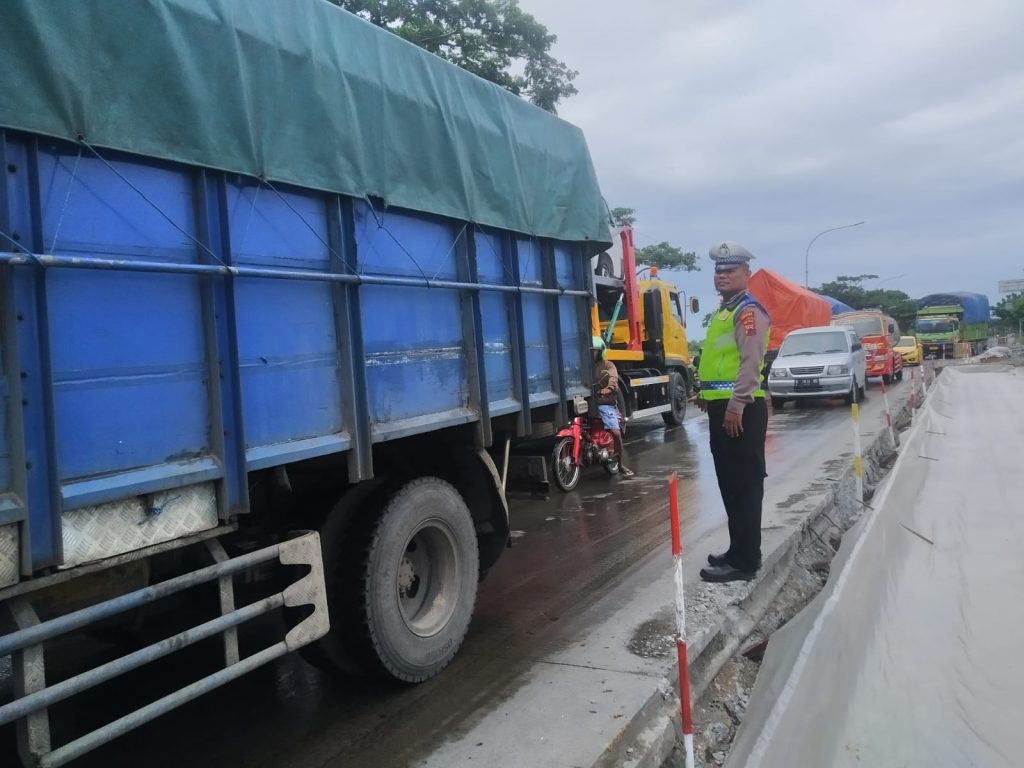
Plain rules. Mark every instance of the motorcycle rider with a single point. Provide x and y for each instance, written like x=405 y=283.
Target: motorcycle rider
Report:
x=606 y=383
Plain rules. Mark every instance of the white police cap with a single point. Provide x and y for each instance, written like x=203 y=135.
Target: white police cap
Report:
x=728 y=253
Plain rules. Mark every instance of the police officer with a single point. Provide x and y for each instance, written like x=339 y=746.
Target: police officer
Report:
x=732 y=395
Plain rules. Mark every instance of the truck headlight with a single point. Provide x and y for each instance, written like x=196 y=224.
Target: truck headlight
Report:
x=837 y=370
x=780 y=373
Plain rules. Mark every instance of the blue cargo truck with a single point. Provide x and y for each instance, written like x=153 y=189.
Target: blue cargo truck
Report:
x=278 y=291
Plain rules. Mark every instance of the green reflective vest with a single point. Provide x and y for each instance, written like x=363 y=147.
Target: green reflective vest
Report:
x=720 y=357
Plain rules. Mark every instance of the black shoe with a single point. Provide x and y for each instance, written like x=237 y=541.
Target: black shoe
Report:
x=721 y=559
x=721 y=573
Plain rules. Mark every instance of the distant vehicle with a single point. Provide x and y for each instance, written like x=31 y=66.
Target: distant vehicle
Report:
x=827 y=361
x=952 y=324
x=879 y=334
x=790 y=306
x=643 y=321
x=910 y=348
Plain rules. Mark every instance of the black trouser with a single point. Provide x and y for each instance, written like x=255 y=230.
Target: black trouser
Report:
x=739 y=464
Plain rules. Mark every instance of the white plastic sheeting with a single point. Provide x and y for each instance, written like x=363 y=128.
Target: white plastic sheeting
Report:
x=913 y=654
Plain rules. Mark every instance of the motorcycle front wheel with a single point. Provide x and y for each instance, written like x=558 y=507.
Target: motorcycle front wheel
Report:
x=564 y=468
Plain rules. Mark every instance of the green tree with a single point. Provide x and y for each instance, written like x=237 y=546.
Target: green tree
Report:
x=1010 y=311
x=849 y=290
x=668 y=257
x=623 y=217
x=663 y=255
x=494 y=39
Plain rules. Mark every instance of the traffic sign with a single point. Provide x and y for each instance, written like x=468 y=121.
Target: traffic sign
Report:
x=1011 y=286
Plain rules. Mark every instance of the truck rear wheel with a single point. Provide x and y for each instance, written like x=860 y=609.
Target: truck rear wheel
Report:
x=402 y=583
x=677 y=396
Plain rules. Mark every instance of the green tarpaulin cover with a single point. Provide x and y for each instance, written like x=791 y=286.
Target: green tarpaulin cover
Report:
x=295 y=91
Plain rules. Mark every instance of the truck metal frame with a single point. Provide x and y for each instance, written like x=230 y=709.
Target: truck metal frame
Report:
x=171 y=334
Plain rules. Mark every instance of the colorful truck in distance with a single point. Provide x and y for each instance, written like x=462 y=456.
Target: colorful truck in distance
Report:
x=952 y=324
x=880 y=334
x=644 y=324
x=790 y=307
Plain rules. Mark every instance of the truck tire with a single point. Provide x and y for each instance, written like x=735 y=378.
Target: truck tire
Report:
x=678 y=395
x=402 y=583
x=420 y=578
x=605 y=266
x=565 y=471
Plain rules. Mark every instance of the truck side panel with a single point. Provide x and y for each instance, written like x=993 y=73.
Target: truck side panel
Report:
x=535 y=325
x=10 y=505
x=5 y=404
x=153 y=379
x=128 y=360
x=416 y=362
x=497 y=310
x=573 y=327
x=289 y=353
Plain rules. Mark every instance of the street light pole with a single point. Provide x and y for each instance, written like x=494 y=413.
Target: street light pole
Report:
x=807 y=252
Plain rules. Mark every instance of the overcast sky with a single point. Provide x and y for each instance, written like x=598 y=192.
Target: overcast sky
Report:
x=767 y=121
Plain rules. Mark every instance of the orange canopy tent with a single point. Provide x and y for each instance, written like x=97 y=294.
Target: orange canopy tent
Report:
x=790 y=306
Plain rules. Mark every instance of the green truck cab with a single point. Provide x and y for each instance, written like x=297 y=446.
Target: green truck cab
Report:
x=952 y=324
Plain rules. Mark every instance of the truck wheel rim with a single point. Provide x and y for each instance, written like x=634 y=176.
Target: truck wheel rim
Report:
x=428 y=579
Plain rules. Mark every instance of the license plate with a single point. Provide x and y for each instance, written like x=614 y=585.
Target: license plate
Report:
x=808 y=383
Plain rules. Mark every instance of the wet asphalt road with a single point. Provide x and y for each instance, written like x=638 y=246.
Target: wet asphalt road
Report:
x=569 y=550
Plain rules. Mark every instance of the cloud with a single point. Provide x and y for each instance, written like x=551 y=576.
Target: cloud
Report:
x=767 y=122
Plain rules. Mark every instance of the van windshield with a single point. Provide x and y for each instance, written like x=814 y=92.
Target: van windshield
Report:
x=814 y=343
x=864 y=326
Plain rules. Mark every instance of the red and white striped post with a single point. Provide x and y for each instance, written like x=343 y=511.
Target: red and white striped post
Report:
x=684 y=667
x=888 y=415
x=913 y=389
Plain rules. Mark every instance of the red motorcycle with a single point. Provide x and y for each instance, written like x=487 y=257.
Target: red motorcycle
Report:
x=583 y=443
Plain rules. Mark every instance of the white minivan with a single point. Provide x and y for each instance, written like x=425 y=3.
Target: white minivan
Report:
x=826 y=361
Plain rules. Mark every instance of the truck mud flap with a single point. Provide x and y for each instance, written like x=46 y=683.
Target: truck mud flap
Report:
x=33 y=696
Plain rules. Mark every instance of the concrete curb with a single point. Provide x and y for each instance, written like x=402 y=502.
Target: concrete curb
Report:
x=648 y=739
